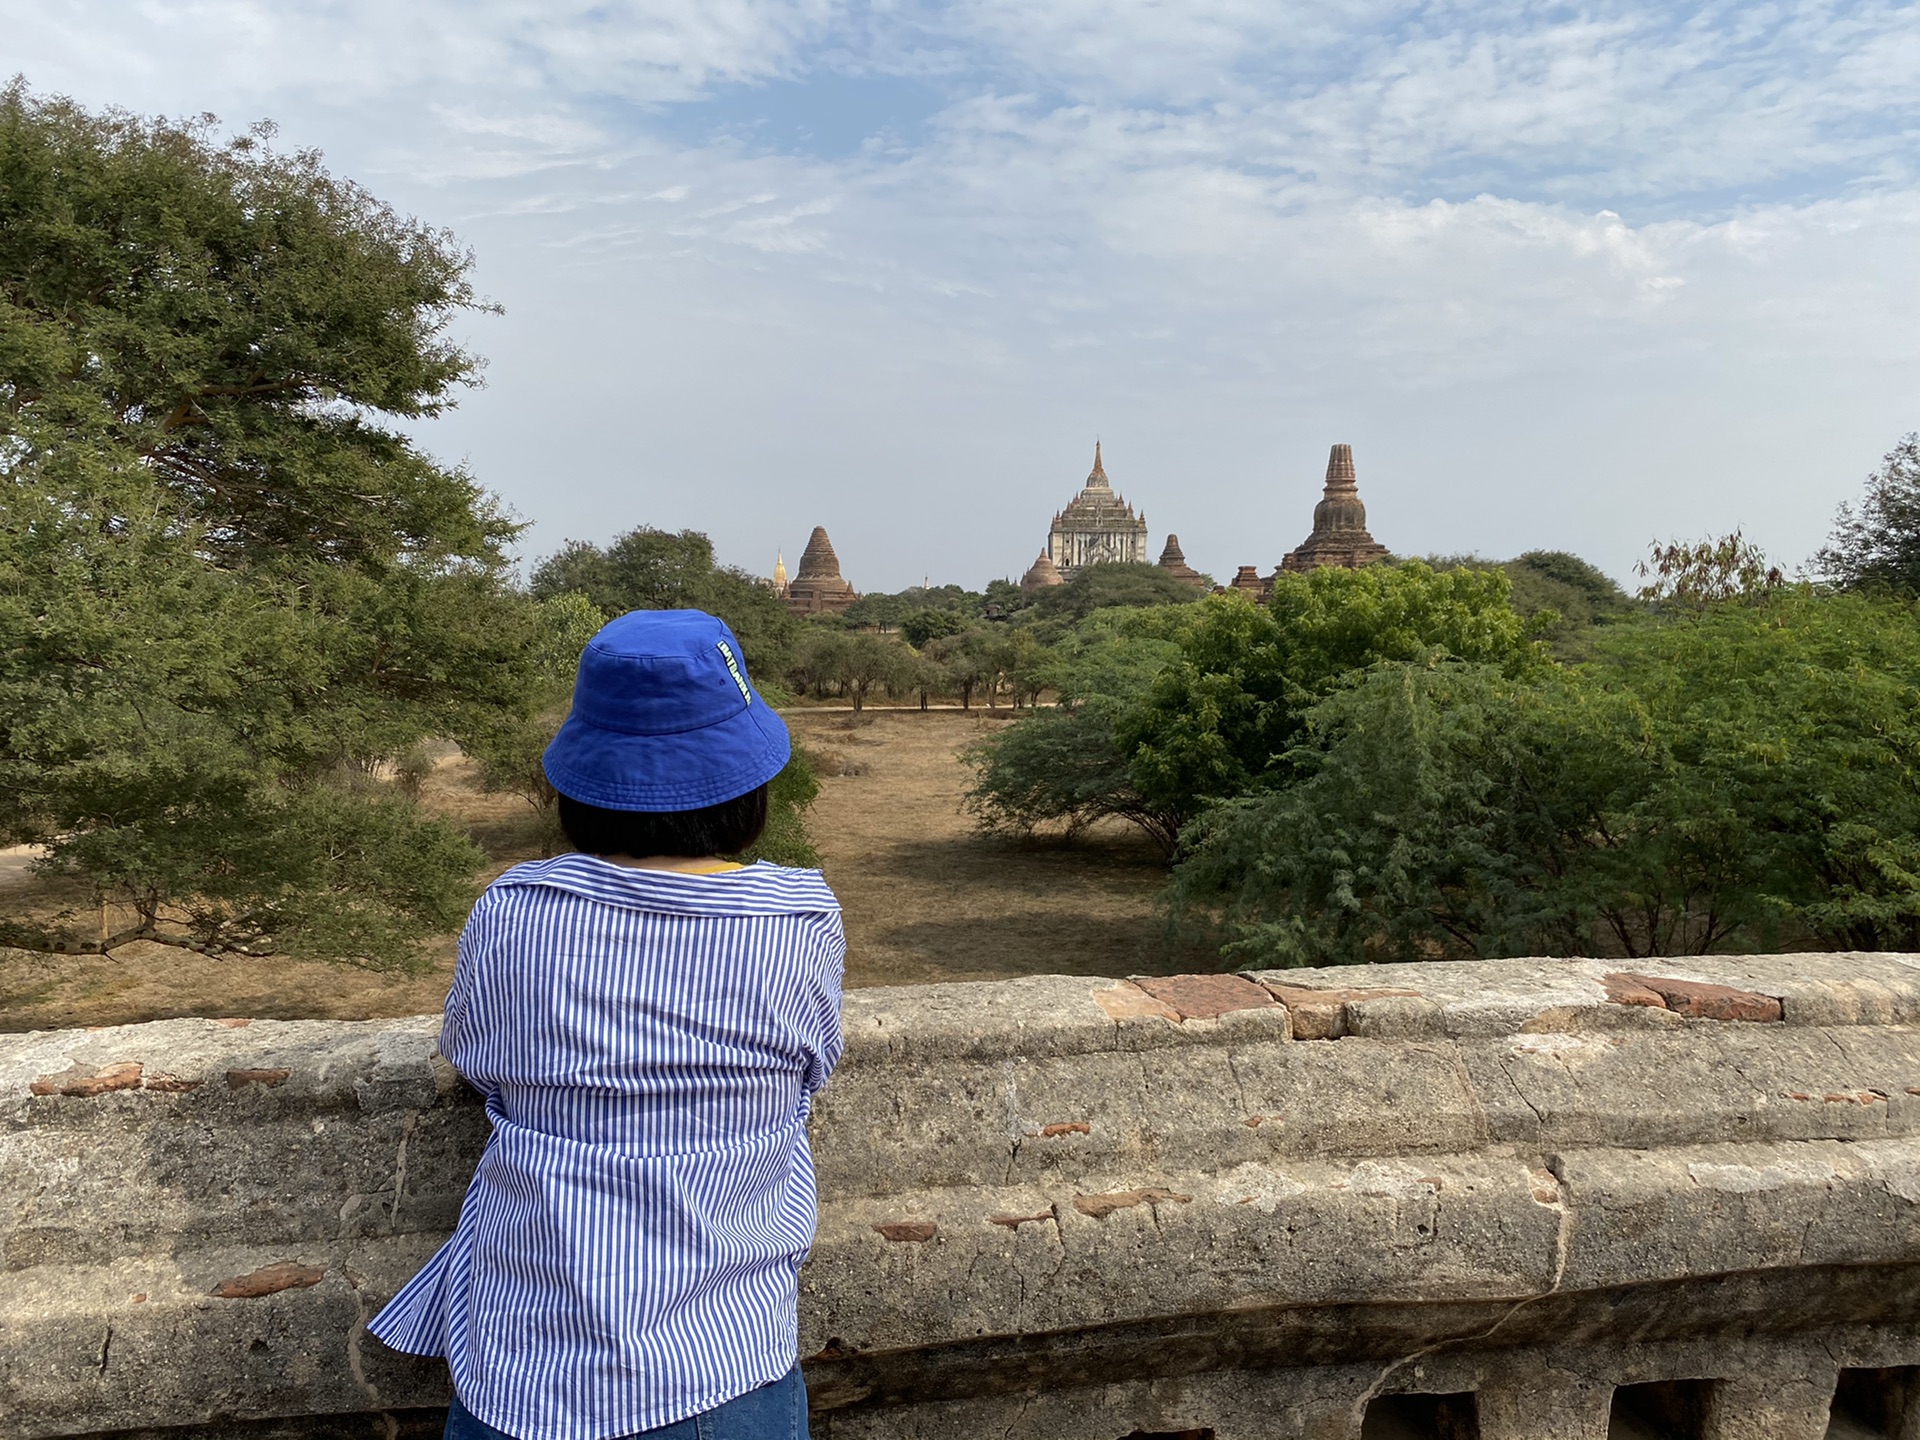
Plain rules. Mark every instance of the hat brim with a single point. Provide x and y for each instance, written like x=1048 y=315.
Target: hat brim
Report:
x=618 y=771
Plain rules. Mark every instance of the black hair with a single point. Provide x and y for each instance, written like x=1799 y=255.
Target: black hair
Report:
x=724 y=829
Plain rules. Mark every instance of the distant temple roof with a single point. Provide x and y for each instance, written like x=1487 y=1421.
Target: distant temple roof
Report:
x=818 y=589
x=1042 y=574
x=818 y=562
x=1340 y=534
x=1096 y=527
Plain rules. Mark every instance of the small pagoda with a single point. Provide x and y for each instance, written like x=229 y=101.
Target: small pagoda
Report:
x=818 y=589
x=1043 y=574
x=1173 y=560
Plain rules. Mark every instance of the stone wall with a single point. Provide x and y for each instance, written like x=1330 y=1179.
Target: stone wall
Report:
x=1529 y=1200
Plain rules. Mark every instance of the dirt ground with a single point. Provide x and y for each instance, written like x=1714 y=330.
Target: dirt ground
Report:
x=926 y=898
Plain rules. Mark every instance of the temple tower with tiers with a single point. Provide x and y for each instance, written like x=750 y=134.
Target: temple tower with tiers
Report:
x=1339 y=523
x=818 y=589
x=1098 y=527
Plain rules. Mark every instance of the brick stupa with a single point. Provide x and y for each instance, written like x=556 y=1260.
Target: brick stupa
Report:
x=1173 y=560
x=817 y=588
x=1043 y=574
x=1339 y=523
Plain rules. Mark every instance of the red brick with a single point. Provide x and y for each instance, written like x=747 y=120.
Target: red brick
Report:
x=1101 y=1206
x=1707 y=1002
x=73 y=1081
x=1205 y=997
x=1126 y=1001
x=1628 y=990
x=268 y=1280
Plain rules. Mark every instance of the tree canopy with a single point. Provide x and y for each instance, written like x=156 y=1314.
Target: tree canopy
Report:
x=230 y=587
x=649 y=569
x=1220 y=719
x=1170 y=709
x=1878 y=543
x=1721 y=782
x=1098 y=587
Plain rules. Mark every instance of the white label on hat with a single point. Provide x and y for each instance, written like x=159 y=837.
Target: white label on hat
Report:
x=733 y=669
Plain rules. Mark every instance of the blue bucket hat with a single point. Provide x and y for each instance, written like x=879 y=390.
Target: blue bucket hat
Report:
x=664 y=718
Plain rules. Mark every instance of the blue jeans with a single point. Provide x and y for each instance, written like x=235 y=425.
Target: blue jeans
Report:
x=773 y=1412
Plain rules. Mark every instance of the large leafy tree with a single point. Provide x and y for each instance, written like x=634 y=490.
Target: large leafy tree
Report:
x=1061 y=768
x=649 y=569
x=1220 y=719
x=230 y=586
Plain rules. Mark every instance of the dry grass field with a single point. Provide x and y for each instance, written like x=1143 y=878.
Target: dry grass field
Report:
x=926 y=898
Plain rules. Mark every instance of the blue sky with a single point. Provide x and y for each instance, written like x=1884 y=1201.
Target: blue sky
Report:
x=1571 y=278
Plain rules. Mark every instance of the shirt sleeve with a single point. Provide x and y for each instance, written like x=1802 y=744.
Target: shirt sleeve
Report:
x=827 y=1042
x=463 y=1025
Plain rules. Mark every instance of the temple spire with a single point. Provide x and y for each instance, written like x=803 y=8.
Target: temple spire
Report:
x=1340 y=535
x=1097 y=527
x=1340 y=474
x=818 y=588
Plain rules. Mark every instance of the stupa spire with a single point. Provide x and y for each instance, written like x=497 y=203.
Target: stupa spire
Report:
x=1099 y=475
x=1340 y=474
x=1340 y=535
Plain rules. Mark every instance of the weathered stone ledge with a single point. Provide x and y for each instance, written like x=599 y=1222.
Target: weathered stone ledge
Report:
x=1072 y=1208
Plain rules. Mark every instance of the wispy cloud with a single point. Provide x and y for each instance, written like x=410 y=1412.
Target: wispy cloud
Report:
x=766 y=250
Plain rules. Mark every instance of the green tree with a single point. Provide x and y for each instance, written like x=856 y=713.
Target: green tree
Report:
x=924 y=676
x=865 y=661
x=1060 y=768
x=894 y=611
x=929 y=624
x=969 y=661
x=509 y=743
x=1098 y=587
x=1007 y=595
x=230 y=587
x=813 y=664
x=1719 y=780
x=1220 y=719
x=1878 y=545
x=1562 y=597
x=649 y=569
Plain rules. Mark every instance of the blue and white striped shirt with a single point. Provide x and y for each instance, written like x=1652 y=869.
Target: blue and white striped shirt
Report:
x=648 y=1044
